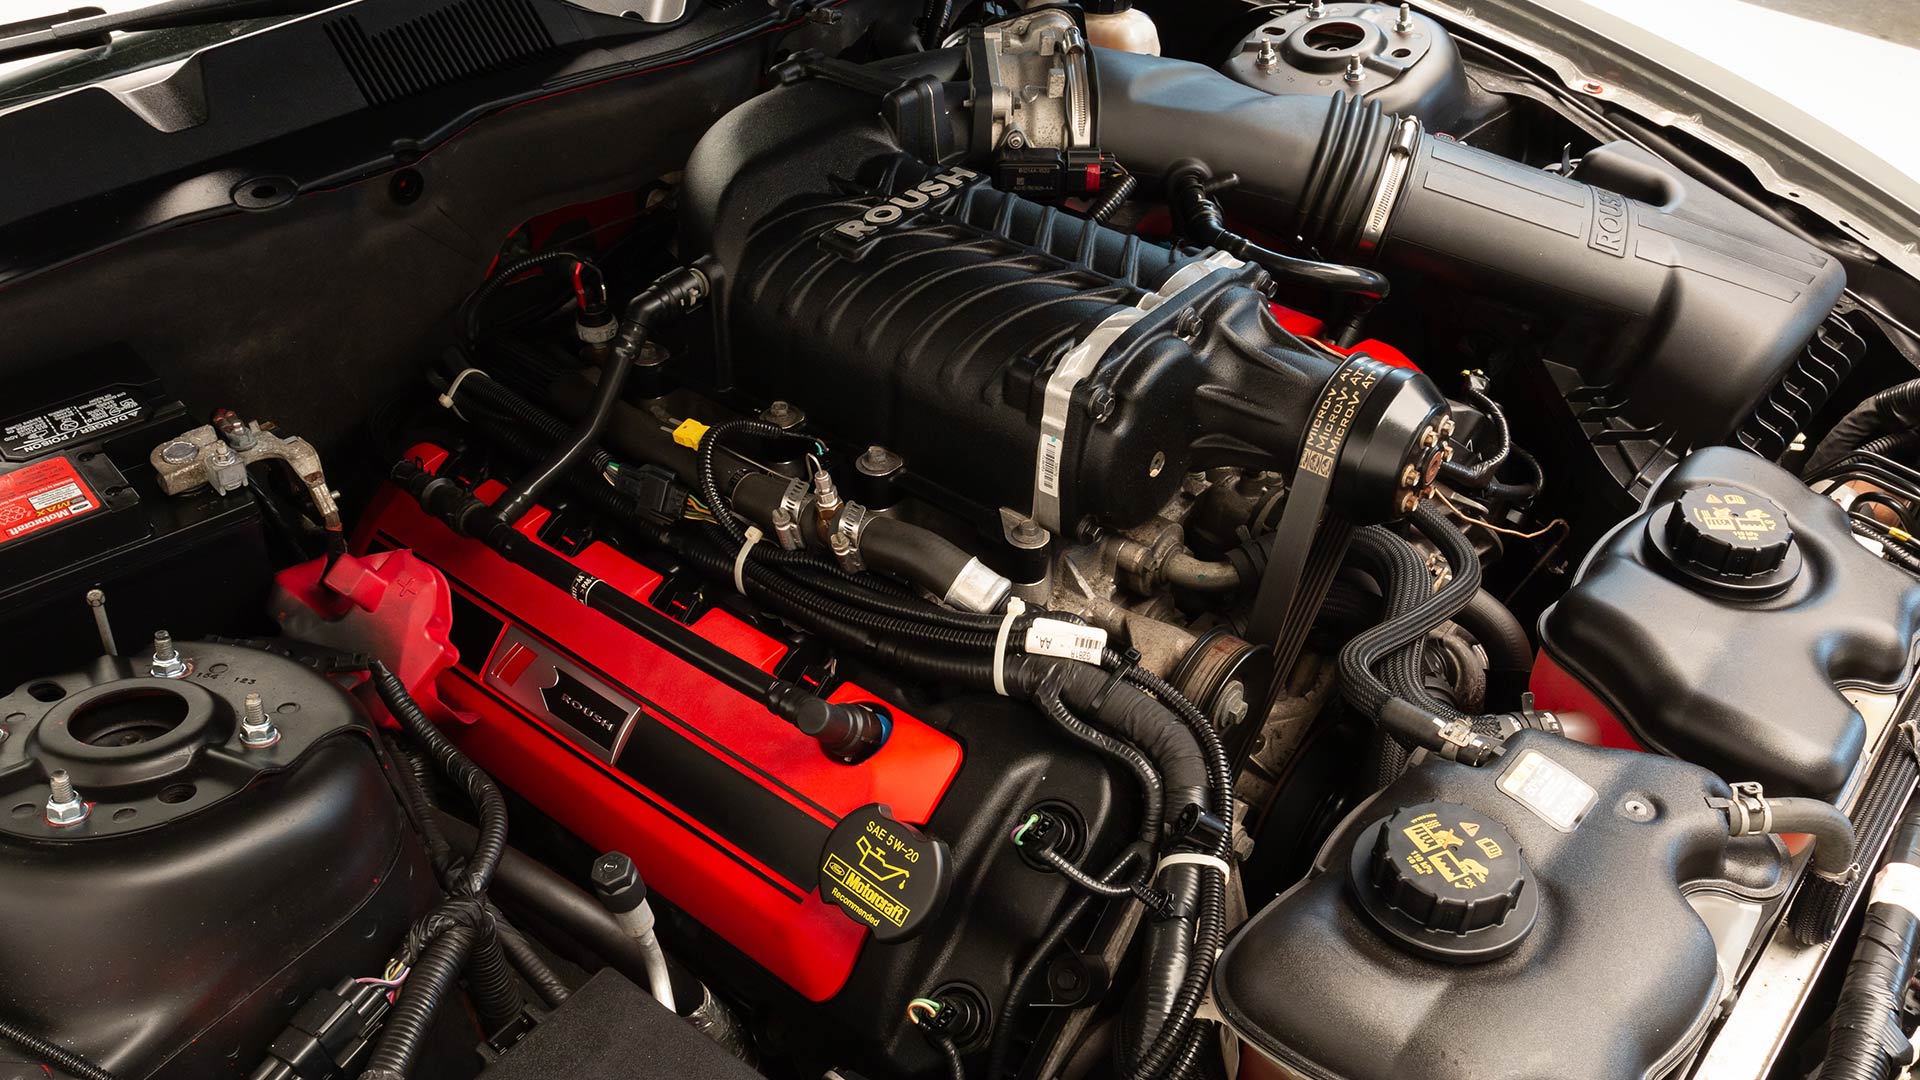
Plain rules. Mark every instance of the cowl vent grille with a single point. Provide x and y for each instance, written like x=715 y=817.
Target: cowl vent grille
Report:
x=463 y=39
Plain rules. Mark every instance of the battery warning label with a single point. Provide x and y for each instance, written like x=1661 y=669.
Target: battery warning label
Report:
x=41 y=495
x=75 y=420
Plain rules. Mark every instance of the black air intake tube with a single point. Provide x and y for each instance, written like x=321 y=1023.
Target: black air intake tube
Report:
x=1687 y=303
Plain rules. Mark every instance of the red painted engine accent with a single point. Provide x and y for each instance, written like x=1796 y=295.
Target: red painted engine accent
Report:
x=723 y=806
x=1581 y=712
x=1304 y=325
x=391 y=605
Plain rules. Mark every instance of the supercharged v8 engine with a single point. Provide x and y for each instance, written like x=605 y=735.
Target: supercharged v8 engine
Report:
x=964 y=546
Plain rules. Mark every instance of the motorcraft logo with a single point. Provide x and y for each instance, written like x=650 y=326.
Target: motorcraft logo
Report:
x=851 y=238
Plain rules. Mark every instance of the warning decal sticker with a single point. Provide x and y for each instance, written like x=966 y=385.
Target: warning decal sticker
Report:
x=44 y=493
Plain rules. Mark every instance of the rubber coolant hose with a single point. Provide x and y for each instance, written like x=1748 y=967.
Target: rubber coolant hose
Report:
x=1498 y=631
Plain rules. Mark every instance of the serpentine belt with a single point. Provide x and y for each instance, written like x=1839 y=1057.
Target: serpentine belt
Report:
x=1312 y=537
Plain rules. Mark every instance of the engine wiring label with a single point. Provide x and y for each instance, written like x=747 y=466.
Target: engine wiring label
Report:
x=40 y=495
x=75 y=420
x=1549 y=789
x=1069 y=641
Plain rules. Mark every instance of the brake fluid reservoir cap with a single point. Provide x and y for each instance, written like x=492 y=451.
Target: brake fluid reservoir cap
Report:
x=884 y=873
x=1727 y=533
x=1445 y=880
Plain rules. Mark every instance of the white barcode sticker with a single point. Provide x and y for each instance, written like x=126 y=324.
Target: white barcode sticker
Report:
x=1049 y=465
x=1069 y=641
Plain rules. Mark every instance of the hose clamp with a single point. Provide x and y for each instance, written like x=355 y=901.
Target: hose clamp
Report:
x=1748 y=812
x=793 y=501
x=848 y=526
x=1393 y=179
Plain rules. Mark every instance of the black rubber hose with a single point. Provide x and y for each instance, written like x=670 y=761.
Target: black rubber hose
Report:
x=907 y=551
x=457 y=767
x=1525 y=490
x=1498 y=631
x=427 y=983
x=529 y=963
x=506 y=274
x=1818 y=908
x=912 y=553
x=1896 y=408
x=1865 y=1040
x=1167 y=958
x=1199 y=218
x=709 y=478
x=1832 y=832
x=672 y=293
x=530 y=885
x=496 y=997
x=51 y=1053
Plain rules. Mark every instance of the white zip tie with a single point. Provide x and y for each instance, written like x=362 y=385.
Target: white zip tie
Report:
x=453 y=390
x=1193 y=858
x=1015 y=608
x=754 y=536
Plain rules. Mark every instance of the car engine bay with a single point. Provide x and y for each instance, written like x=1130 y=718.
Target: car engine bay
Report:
x=1047 y=541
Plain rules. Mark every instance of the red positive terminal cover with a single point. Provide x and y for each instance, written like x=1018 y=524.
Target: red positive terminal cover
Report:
x=724 y=807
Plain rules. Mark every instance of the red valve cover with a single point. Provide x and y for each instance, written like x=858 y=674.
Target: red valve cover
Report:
x=723 y=806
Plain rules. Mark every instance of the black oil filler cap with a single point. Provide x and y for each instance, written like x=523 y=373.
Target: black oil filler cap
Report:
x=1446 y=880
x=1728 y=534
x=884 y=873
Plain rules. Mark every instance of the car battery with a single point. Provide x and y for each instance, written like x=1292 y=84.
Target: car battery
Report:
x=81 y=509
